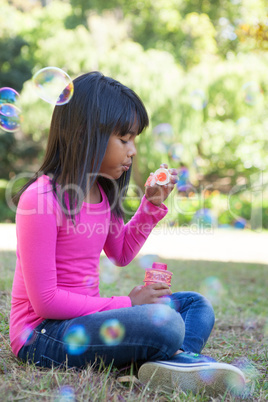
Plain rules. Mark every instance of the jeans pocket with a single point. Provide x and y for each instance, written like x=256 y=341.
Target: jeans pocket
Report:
x=46 y=362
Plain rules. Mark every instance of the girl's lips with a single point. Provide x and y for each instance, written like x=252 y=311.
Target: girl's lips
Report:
x=126 y=167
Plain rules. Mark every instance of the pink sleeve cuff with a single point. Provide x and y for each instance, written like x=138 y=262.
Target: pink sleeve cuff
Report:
x=151 y=209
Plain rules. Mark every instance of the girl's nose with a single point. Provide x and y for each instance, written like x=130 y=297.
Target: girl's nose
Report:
x=132 y=150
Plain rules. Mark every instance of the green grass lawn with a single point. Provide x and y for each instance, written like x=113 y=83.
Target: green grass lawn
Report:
x=238 y=292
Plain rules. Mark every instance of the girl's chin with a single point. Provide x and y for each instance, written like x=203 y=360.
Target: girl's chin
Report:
x=113 y=176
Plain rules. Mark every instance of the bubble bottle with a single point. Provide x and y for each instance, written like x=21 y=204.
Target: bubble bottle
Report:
x=158 y=273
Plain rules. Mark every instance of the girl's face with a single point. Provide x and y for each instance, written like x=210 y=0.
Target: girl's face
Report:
x=119 y=154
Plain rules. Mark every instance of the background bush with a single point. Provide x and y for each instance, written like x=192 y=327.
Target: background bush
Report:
x=199 y=67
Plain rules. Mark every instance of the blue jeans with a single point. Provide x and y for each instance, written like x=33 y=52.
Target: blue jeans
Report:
x=133 y=334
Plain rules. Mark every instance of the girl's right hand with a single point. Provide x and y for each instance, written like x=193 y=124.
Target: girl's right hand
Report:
x=149 y=294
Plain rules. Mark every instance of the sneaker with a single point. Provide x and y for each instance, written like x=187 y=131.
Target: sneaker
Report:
x=190 y=357
x=193 y=372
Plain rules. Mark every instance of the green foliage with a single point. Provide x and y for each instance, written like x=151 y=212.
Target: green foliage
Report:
x=225 y=209
x=187 y=60
x=7 y=142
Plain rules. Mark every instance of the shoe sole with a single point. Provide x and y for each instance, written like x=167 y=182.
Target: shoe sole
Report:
x=216 y=378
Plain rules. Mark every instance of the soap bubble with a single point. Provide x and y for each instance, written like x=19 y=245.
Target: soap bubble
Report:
x=161 y=147
x=28 y=335
x=10 y=113
x=251 y=374
x=243 y=126
x=53 y=85
x=250 y=323
x=159 y=314
x=90 y=281
x=176 y=151
x=168 y=302
x=163 y=134
x=112 y=332
x=251 y=92
x=76 y=340
x=204 y=218
x=65 y=394
x=109 y=272
x=183 y=183
x=163 y=129
x=198 y=99
x=146 y=261
x=212 y=289
x=10 y=123
x=240 y=223
x=9 y=95
x=9 y=110
x=207 y=376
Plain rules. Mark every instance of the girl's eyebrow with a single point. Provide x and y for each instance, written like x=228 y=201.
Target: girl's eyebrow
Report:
x=130 y=132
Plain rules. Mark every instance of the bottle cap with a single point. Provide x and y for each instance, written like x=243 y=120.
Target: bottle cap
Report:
x=162 y=176
x=159 y=265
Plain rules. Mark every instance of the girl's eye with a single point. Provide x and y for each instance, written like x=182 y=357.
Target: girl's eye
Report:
x=123 y=142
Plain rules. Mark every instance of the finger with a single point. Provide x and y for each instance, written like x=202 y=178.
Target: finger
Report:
x=159 y=285
x=164 y=165
x=173 y=179
x=173 y=171
x=163 y=292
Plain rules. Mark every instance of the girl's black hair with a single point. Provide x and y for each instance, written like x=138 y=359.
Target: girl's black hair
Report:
x=78 y=138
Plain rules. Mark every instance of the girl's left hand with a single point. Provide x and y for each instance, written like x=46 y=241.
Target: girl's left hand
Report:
x=158 y=194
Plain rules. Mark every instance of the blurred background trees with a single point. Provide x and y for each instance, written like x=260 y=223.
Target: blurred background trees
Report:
x=199 y=66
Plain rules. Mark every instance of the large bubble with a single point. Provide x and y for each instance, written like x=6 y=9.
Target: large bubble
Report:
x=112 y=332
x=53 y=85
x=76 y=340
x=9 y=95
x=251 y=374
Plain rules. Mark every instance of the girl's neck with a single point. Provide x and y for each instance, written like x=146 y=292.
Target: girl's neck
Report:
x=94 y=195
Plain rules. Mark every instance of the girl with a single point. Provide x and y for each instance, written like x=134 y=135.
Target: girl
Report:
x=71 y=211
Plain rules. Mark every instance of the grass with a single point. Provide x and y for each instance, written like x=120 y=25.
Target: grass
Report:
x=240 y=336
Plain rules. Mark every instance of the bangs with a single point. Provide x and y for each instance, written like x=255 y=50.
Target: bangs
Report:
x=124 y=110
x=131 y=120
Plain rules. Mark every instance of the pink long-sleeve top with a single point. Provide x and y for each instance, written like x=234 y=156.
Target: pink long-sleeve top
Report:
x=57 y=269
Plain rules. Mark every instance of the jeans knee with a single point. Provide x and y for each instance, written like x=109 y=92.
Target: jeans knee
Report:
x=208 y=309
x=169 y=328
